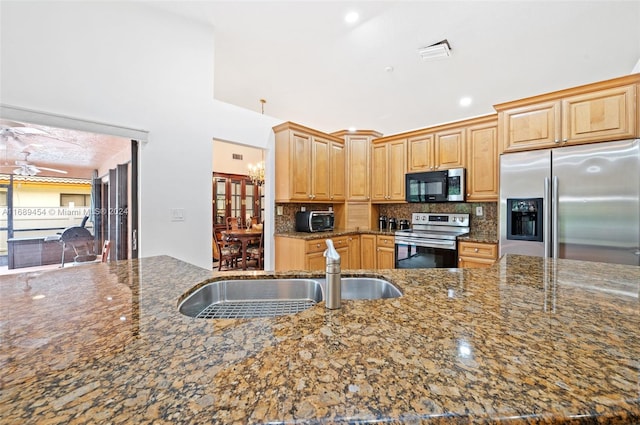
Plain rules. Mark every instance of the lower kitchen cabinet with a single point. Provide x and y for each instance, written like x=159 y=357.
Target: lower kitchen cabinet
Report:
x=301 y=254
x=476 y=254
x=368 y=251
x=385 y=252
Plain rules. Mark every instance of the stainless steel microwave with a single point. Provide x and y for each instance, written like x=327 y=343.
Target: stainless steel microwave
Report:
x=314 y=221
x=436 y=186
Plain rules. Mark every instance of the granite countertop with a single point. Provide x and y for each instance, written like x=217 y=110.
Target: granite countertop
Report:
x=526 y=341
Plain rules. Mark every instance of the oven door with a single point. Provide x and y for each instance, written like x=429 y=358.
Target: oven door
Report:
x=420 y=255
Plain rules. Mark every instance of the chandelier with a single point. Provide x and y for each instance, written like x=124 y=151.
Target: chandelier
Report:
x=256 y=173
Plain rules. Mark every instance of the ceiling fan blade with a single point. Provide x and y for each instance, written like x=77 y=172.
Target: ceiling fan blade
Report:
x=51 y=169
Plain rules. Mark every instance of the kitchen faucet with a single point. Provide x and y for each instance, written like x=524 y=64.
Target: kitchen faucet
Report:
x=333 y=288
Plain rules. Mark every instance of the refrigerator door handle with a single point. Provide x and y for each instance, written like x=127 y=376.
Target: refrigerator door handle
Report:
x=546 y=217
x=554 y=217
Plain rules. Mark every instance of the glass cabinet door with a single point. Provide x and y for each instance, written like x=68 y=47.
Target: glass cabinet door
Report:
x=236 y=200
x=219 y=200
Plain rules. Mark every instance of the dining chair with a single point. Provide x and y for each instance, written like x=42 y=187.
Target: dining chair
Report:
x=228 y=253
x=256 y=252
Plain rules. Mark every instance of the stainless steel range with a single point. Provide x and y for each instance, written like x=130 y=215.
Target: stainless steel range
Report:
x=431 y=241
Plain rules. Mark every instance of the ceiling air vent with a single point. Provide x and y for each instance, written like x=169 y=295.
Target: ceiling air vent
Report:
x=237 y=156
x=441 y=49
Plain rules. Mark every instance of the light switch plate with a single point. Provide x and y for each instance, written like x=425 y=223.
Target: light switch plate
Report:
x=279 y=210
x=479 y=211
x=177 y=214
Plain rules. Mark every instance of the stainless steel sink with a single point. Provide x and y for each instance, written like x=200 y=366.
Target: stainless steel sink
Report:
x=235 y=299
x=368 y=288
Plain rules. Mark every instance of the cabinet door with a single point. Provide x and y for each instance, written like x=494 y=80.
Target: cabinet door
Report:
x=420 y=153
x=449 y=149
x=300 y=166
x=379 y=172
x=336 y=172
x=385 y=258
x=397 y=167
x=602 y=115
x=385 y=255
x=368 y=252
x=474 y=263
x=354 y=251
x=482 y=164
x=320 y=167
x=358 y=163
x=530 y=127
x=315 y=261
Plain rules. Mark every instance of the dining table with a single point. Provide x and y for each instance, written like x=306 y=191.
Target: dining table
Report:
x=244 y=236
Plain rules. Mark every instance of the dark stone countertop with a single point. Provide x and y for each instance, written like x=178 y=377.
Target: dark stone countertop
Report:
x=529 y=340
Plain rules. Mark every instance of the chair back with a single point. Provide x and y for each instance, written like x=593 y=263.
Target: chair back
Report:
x=105 y=251
x=232 y=223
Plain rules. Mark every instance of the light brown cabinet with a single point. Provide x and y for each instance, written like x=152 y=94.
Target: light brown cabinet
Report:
x=592 y=113
x=301 y=254
x=353 y=242
x=436 y=150
x=476 y=254
x=449 y=149
x=309 y=165
x=368 y=251
x=482 y=160
x=385 y=252
x=357 y=163
x=420 y=151
x=388 y=169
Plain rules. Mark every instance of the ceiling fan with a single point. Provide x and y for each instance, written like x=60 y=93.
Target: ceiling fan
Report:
x=13 y=131
x=25 y=168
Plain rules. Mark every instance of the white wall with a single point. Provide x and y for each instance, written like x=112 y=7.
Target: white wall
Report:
x=223 y=161
x=134 y=66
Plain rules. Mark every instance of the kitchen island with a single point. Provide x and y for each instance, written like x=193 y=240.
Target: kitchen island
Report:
x=525 y=341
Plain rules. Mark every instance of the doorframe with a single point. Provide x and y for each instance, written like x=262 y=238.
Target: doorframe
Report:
x=136 y=136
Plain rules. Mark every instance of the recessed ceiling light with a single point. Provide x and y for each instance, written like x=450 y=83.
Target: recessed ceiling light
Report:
x=465 y=101
x=351 y=17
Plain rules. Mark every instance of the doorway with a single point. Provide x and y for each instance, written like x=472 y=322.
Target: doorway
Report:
x=99 y=193
x=237 y=194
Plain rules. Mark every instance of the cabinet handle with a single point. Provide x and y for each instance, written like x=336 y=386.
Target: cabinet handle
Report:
x=317 y=245
x=475 y=250
x=468 y=194
x=556 y=141
x=565 y=140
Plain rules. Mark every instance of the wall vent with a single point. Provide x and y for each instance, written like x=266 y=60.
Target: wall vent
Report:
x=237 y=156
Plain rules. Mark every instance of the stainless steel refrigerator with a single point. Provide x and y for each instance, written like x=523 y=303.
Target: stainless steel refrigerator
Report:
x=579 y=202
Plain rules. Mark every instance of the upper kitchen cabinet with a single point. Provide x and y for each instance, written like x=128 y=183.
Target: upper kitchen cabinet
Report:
x=389 y=165
x=420 y=151
x=436 y=148
x=591 y=113
x=358 y=163
x=309 y=165
x=482 y=159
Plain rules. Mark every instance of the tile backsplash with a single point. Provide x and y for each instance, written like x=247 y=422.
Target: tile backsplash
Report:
x=487 y=223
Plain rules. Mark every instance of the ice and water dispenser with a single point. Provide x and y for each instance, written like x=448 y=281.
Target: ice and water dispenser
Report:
x=524 y=219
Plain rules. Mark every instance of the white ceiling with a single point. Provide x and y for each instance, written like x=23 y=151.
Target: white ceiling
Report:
x=78 y=153
x=314 y=69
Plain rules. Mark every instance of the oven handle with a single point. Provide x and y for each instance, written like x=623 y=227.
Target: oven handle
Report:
x=431 y=244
